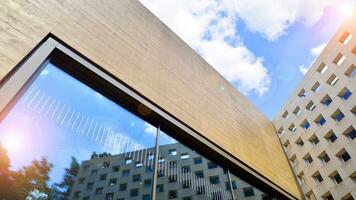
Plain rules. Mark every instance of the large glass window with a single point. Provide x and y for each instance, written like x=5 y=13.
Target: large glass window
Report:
x=64 y=139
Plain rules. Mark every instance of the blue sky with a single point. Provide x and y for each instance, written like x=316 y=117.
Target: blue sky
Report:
x=262 y=48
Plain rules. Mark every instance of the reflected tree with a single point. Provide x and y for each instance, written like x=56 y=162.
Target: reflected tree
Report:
x=61 y=191
x=7 y=183
x=32 y=181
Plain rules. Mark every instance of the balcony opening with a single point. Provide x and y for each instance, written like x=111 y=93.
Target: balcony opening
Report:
x=326 y=100
x=332 y=80
x=322 y=68
x=351 y=71
x=339 y=59
x=345 y=93
x=345 y=38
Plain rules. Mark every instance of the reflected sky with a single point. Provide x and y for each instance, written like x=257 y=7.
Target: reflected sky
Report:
x=59 y=117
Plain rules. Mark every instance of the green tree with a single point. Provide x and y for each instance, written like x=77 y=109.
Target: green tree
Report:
x=61 y=191
x=33 y=179
x=7 y=184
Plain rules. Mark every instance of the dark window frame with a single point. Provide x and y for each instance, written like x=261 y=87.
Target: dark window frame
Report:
x=52 y=49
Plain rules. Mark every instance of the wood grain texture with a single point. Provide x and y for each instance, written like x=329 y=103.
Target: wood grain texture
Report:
x=130 y=42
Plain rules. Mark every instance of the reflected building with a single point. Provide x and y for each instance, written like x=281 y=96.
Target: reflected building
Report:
x=181 y=174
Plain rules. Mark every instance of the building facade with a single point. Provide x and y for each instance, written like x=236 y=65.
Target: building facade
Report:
x=317 y=124
x=183 y=174
x=110 y=77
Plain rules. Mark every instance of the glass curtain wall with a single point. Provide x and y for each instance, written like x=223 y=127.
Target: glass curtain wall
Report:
x=64 y=140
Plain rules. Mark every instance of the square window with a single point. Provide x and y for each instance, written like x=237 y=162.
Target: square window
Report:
x=248 y=191
x=125 y=173
x=320 y=120
x=109 y=196
x=90 y=186
x=160 y=188
x=328 y=196
x=116 y=168
x=326 y=100
x=308 y=159
x=317 y=177
x=103 y=177
x=302 y=93
x=99 y=191
x=339 y=59
x=134 y=192
x=212 y=165
x=106 y=164
x=81 y=180
x=310 y=106
x=301 y=178
x=285 y=115
x=314 y=140
x=292 y=160
x=138 y=164
x=335 y=176
x=350 y=132
x=147 y=183
x=343 y=155
x=172 y=194
x=184 y=156
x=292 y=128
x=136 y=177
x=93 y=172
x=112 y=182
x=344 y=93
x=146 y=197
x=297 y=111
x=324 y=157
x=338 y=115
x=351 y=71
x=322 y=68
x=331 y=136
x=128 y=161
x=214 y=179
x=305 y=124
x=280 y=131
x=345 y=38
x=332 y=80
x=299 y=142
x=76 y=194
x=172 y=152
x=199 y=174
x=123 y=187
x=198 y=160
x=316 y=87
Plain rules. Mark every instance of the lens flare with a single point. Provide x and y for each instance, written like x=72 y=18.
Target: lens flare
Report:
x=13 y=142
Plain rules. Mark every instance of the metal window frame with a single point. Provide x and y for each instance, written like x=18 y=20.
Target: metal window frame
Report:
x=52 y=49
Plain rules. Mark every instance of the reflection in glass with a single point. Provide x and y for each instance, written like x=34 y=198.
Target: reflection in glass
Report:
x=185 y=174
x=63 y=140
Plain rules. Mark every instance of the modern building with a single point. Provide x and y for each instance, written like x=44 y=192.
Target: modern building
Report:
x=317 y=124
x=108 y=76
x=183 y=174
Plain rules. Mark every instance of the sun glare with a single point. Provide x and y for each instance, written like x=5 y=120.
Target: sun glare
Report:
x=12 y=143
x=346 y=9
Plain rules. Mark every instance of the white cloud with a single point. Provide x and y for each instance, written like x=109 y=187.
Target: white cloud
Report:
x=149 y=129
x=314 y=52
x=272 y=18
x=209 y=28
x=303 y=69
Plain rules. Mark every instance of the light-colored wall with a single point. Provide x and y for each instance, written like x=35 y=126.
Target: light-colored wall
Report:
x=131 y=43
x=348 y=186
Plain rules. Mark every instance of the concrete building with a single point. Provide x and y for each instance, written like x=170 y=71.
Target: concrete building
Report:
x=316 y=126
x=183 y=174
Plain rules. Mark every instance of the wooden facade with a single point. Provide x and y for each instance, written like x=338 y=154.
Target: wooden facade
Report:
x=131 y=43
